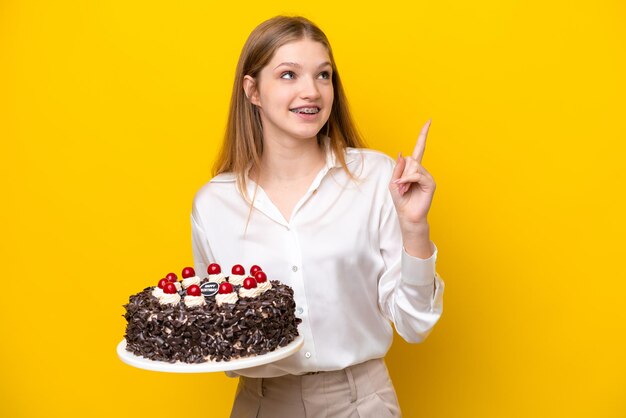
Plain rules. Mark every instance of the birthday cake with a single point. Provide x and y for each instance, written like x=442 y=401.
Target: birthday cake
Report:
x=216 y=318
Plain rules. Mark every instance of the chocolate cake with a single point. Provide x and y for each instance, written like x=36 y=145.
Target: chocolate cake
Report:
x=217 y=318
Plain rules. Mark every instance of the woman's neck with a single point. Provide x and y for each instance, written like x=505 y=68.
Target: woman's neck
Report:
x=289 y=161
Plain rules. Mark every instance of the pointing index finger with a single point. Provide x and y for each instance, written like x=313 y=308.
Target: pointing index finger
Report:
x=420 y=146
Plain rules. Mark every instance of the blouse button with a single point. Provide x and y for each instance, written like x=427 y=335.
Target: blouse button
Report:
x=294 y=268
x=299 y=310
x=307 y=355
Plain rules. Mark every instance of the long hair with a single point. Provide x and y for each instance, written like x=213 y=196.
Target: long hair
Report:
x=243 y=139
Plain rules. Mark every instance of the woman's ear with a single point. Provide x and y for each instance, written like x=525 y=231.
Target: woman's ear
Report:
x=250 y=88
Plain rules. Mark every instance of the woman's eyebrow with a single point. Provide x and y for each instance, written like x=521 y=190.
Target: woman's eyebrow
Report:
x=295 y=64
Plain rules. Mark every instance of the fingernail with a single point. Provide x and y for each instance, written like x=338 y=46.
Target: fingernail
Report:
x=396 y=181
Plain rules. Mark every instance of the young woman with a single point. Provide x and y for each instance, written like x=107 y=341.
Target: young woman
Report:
x=296 y=192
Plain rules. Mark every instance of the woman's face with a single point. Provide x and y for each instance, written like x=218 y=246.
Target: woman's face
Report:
x=299 y=75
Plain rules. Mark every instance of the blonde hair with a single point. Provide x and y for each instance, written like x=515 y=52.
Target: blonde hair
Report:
x=243 y=140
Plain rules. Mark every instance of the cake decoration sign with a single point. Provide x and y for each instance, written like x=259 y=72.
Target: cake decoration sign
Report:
x=209 y=289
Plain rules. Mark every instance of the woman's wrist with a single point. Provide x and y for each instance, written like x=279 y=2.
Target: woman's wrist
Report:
x=416 y=240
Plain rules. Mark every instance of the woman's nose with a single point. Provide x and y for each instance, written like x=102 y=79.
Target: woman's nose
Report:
x=309 y=88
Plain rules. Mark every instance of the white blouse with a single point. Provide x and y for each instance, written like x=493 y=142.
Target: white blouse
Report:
x=342 y=254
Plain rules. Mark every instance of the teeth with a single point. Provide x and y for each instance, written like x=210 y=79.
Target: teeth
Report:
x=306 y=110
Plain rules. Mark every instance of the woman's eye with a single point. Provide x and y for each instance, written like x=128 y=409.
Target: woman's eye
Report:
x=285 y=73
x=326 y=74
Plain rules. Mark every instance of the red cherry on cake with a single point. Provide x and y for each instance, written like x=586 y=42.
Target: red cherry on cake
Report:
x=249 y=283
x=238 y=270
x=254 y=269
x=260 y=277
x=194 y=290
x=214 y=268
x=225 y=287
x=171 y=277
x=169 y=288
x=162 y=283
x=188 y=272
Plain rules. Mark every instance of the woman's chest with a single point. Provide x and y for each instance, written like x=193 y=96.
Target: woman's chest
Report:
x=342 y=228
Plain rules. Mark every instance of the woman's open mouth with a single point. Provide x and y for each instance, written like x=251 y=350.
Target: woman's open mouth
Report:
x=306 y=113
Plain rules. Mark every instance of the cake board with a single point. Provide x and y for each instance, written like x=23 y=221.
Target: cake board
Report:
x=209 y=366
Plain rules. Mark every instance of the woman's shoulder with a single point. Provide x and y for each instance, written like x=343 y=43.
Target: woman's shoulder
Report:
x=217 y=188
x=370 y=155
x=224 y=178
x=369 y=160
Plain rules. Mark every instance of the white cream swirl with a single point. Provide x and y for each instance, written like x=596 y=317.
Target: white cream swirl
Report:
x=250 y=293
x=217 y=278
x=169 y=298
x=191 y=301
x=222 y=298
x=191 y=281
x=157 y=292
x=237 y=279
x=265 y=286
x=178 y=287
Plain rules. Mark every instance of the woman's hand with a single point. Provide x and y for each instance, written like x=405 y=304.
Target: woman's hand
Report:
x=412 y=189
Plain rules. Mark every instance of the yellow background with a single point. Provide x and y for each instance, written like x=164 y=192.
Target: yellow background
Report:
x=111 y=114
